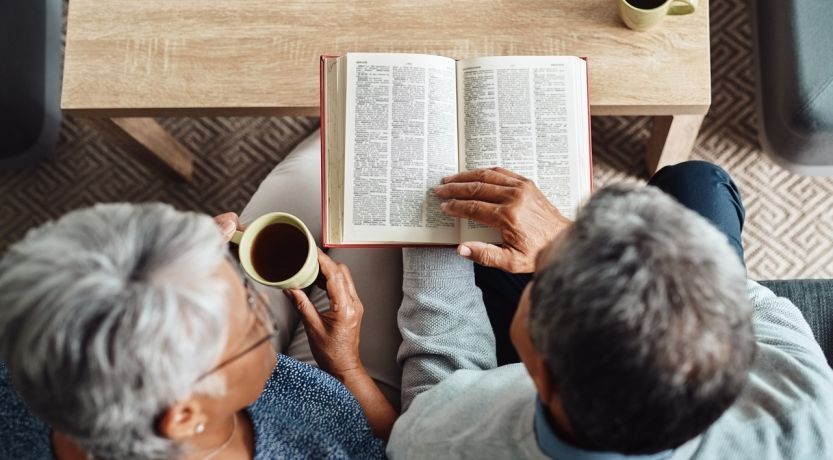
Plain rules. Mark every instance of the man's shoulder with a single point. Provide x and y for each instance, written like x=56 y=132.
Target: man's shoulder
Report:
x=802 y=431
x=488 y=413
x=785 y=409
x=465 y=390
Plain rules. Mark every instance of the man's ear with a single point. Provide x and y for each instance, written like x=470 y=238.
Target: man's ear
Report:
x=182 y=420
x=549 y=395
x=540 y=373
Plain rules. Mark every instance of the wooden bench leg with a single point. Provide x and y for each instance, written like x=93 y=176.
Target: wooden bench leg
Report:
x=671 y=141
x=146 y=137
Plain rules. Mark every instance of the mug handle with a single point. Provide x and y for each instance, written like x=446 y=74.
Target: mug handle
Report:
x=682 y=7
x=236 y=237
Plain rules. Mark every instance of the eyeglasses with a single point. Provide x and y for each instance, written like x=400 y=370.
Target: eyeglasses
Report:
x=264 y=317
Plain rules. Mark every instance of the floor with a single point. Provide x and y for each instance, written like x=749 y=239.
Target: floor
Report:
x=788 y=233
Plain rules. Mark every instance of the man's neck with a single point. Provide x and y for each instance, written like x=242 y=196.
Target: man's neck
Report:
x=556 y=442
x=557 y=420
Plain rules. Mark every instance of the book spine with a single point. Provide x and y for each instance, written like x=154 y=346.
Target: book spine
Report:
x=589 y=120
x=323 y=130
x=391 y=245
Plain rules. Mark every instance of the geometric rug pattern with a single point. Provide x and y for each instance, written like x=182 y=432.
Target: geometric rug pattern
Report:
x=789 y=226
x=232 y=156
x=789 y=220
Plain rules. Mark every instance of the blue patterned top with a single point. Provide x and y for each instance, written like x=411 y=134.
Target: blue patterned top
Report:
x=302 y=413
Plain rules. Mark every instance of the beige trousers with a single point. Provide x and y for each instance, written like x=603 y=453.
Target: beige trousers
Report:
x=294 y=186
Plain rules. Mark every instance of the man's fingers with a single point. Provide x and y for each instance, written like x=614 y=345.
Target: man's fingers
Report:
x=478 y=211
x=509 y=173
x=487 y=255
x=489 y=176
x=309 y=315
x=480 y=191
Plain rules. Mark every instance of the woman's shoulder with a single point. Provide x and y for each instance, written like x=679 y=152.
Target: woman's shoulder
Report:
x=22 y=435
x=304 y=412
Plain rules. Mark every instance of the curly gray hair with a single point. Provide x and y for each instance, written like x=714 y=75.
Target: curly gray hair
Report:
x=109 y=315
x=644 y=321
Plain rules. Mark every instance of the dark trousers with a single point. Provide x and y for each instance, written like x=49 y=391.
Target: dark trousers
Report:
x=700 y=186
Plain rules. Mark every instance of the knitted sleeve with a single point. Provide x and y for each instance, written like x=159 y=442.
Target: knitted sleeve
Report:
x=442 y=320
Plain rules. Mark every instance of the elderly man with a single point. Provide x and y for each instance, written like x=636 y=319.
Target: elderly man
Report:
x=638 y=336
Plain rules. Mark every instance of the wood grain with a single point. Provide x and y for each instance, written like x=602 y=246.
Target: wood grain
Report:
x=146 y=138
x=260 y=57
x=671 y=141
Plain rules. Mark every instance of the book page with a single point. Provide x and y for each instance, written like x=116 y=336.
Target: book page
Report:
x=332 y=131
x=400 y=140
x=530 y=116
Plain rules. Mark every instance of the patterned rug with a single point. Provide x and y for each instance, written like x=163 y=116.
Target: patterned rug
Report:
x=788 y=232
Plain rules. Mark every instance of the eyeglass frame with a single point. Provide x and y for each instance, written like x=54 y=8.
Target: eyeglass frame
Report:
x=254 y=300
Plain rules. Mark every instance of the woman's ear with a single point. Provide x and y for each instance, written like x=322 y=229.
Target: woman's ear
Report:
x=182 y=420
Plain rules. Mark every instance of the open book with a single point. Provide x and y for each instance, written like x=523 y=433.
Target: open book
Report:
x=393 y=125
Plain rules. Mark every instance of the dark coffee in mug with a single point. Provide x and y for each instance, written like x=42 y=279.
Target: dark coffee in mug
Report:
x=279 y=251
x=646 y=4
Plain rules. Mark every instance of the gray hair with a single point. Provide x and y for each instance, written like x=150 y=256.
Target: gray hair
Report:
x=643 y=318
x=109 y=315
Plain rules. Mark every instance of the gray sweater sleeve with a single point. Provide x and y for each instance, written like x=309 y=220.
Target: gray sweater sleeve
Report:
x=780 y=324
x=442 y=320
x=786 y=408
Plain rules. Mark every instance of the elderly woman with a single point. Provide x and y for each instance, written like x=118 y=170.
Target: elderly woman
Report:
x=130 y=333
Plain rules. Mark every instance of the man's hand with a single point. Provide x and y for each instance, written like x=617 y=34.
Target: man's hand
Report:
x=333 y=335
x=228 y=223
x=509 y=202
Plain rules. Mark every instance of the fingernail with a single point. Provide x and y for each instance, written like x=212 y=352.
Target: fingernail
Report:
x=464 y=251
x=443 y=205
x=228 y=227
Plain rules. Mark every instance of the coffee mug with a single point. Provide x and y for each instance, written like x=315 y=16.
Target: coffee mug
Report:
x=644 y=14
x=278 y=250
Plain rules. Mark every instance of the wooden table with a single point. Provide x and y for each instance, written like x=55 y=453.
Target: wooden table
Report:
x=128 y=60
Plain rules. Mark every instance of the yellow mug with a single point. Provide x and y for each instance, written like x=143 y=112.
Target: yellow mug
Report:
x=639 y=18
x=248 y=242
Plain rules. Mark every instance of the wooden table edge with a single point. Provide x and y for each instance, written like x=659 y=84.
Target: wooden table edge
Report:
x=85 y=112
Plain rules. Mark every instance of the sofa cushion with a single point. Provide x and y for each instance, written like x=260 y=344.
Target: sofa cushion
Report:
x=30 y=53
x=795 y=82
x=815 y=300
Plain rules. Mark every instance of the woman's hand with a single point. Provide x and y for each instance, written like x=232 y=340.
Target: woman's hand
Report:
x=508 y=202
x=334 y=341
x=228 y=223
x=334 y=334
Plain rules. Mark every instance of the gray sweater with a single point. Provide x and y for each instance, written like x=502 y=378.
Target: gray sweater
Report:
x=460 y=404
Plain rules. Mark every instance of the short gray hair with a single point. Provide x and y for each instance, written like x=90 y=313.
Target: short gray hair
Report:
x=643 y=318
x=109 y=315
